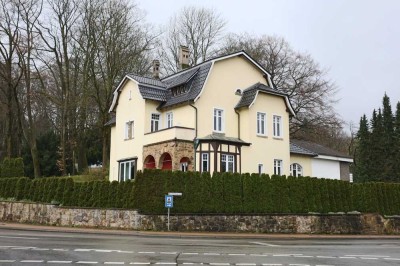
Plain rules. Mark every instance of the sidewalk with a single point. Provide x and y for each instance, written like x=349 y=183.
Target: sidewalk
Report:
x=44 y=228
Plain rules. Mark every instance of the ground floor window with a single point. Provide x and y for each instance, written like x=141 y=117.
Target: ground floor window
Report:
x=296 y=170
x=227 y=163
x=127 y=170
x=204 y=162
x=260 y=168
x=277 y=167
x=184 y=164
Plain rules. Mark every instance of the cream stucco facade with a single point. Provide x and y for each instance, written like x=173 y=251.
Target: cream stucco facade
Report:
x=226 y=107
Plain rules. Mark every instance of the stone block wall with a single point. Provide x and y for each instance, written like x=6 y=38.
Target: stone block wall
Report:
x=46 y=214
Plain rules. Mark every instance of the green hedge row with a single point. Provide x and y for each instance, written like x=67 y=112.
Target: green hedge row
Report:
x=12 y=167
x=99 y=194
x=245 y=193
x=221 y=193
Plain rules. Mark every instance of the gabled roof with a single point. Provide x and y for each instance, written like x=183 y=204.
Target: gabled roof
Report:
x=192 y=79
x=222 y=138
x=296 y=149
x=249 y=96
x=317 y=149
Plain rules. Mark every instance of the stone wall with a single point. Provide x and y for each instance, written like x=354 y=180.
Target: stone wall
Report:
x=46 y=214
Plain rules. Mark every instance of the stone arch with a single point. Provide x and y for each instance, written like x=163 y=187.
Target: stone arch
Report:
x=149 y=162
x=165 y=161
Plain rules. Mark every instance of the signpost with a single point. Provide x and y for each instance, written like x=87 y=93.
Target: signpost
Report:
x=169 y=202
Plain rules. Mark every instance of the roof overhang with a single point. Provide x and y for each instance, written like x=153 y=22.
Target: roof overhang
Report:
x=334 y=158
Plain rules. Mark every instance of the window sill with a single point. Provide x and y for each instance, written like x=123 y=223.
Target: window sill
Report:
x=219 y=132
x=128 y=139
x=262 y=136
x=278 y=138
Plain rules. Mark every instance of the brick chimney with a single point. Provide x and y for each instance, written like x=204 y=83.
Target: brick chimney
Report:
x=156 y=69
x=183 y=57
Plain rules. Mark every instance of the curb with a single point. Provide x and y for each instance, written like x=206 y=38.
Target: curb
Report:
x=227 y=235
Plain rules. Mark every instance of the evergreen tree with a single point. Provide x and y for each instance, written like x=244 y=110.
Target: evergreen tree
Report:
x=387 y=140
x=361 y=159
x=376 y=151
x=396 y=145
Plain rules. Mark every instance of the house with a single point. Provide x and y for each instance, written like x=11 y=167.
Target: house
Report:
x=312 y=159
x=221 y=115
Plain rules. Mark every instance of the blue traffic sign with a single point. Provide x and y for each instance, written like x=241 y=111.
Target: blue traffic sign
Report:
x=169 y=201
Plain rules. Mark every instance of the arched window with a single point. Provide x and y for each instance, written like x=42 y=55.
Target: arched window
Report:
x=166 y=161
x=296 y=170
x=184 y=164
x=149 y=162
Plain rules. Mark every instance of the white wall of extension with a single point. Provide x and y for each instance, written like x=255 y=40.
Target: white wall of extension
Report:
x=323 y=168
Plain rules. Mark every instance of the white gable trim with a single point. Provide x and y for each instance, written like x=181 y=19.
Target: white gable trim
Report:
x=277 y=94
x=116 y=92
x=334 y=158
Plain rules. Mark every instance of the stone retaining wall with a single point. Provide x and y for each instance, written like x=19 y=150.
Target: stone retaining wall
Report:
x=47 y=214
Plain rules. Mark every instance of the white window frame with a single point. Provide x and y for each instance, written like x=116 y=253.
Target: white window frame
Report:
x=184 y=166
x=169 y=120
x=125 y=170
x=227 y=160
x=261 y=124
x=129 y=126
x=205 y=158
x=278 y=167
x=218 y=120
x=277 y=128
x=154 y=122
x=297 y=169
x=260 y=168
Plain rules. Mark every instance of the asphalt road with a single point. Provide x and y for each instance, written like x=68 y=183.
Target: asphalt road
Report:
x=20 y=247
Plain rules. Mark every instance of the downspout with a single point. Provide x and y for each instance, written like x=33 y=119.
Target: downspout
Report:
x=195 y=137
x=240 y=166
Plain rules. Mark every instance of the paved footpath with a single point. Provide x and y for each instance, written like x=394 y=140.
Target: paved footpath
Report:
x=31 y=227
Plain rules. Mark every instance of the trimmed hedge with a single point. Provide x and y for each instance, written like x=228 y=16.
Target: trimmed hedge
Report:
x=12 y=167
x=221 y=193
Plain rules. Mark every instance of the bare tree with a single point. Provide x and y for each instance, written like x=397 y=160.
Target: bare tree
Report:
x=198 y=28
x=297 y=74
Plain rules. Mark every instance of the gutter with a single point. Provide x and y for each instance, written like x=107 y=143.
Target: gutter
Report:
x=238 y=123
x=195 y=137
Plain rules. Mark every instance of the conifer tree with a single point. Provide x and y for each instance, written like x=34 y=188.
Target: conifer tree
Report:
x=376 y=151
x=361 y=159
x=387 y=140
x=396 y=145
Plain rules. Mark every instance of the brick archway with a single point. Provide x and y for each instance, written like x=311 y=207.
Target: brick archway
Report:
x=149 y=162
x=165 y=161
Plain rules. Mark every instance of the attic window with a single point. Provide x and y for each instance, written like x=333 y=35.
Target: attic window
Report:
x=179 y=90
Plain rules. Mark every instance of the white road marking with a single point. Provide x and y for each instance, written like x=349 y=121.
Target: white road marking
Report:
x=140 y=263
x=114 y=262
x=86 y=262
x=268 y=264
x=299 y=264
x=237 y=254
x=259 y=255
x=368 y=258
x=60 y=249
x=19 y=237
x=123 y=251
x=303 y=256
x=166 y=263
x=245 y=264
x=326 y=257
x=168 y=253
x=324 y=265
x=212 y=254
x=7 y=261
x=32 y=261
x=39 y=249
x=187 y=263
x=188 y=253
x=60 y=261
x=23 y=248
x=377 y=256
x=82 y=250
x=347 y=258
x=146 y=252
x=104 y=250
x=391 y=259
x=219 y=263
x=264 y=244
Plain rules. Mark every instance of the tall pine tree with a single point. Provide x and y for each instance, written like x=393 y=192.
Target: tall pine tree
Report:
x=361 y=158
x=396 y=145
x=377 y=156
x=388 y=151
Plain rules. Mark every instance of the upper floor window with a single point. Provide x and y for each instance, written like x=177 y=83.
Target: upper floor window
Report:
x=178 y=90
x=129 y=130
x=227 y=163
x=277 y=126
x=170 y=119
x=296 y=170
x=261 y=124
x=155 y=122
x=277 y=167
x=218 y=120
x=204 y=162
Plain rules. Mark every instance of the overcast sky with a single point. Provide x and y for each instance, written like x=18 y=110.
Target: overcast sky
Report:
x=357 y=41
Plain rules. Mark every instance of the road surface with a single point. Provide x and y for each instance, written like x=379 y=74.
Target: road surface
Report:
x=20 y=247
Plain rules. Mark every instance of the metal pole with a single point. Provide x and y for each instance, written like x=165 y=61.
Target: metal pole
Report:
x=168 y=219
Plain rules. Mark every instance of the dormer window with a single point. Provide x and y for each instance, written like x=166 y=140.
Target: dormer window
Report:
x=178 y=90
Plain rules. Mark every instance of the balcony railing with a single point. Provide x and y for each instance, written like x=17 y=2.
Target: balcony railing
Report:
x=182 y=133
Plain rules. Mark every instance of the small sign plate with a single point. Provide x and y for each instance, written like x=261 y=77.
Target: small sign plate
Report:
x=169 y=201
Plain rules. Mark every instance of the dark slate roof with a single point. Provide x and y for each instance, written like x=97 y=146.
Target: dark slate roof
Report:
x=147 y=81
x=111 y=121
x=222 y=138
x=153 y=93
x=250 y=93
x=300 y=150
x=319 y=149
